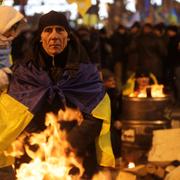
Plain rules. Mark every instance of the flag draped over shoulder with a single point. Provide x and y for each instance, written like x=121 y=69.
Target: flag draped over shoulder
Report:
x=14 y=117
x=83 y=5
x=30 y=87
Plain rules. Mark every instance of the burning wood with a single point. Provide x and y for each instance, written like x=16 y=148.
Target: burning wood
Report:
x=54 y=158
x=155 y=90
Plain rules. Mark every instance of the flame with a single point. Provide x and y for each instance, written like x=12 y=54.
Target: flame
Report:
x=16 y=149
x=54 y=157
x=156 y=90
x=131 y=165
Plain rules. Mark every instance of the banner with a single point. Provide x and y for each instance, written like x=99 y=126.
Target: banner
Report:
x=83 y=5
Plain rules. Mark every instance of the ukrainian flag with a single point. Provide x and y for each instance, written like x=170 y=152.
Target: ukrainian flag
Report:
x=14 y=117
x=31 y=88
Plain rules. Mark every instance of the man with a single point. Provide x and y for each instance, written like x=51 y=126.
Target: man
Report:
x=57 y=75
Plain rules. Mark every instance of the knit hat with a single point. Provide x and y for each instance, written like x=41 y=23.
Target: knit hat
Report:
x=53 y=18
x=8 y=17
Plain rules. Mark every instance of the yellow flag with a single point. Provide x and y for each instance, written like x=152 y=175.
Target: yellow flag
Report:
x=105 y=156
x=83 y=5
x=14 y=117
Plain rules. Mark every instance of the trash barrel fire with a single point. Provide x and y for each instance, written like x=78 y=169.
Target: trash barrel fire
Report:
x=140 y=116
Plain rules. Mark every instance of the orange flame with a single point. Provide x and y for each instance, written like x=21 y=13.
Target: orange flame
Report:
x=54 y=157
x=156 y=90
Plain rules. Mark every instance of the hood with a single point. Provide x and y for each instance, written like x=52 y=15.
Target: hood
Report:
x=9 y=17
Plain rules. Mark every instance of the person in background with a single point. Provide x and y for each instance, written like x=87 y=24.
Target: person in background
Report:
x=89 y=38
x=59 y=74
x=118 y=42
x=11 y=24
x=172 y=66
x=131 y=49
x=138 y=82
x=115 y=96
x=159 y=32
x=106 y=49
x=148 y=52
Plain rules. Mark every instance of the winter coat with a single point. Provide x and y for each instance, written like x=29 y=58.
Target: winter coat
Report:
x=44 y=84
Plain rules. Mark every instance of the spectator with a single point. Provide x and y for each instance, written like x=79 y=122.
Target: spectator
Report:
x=11 y=24
x=149 y=53
x=111 y=88
x=131 y=49
x=118 y=41
x=172 y=61
x=106 y=50
x=90 y=40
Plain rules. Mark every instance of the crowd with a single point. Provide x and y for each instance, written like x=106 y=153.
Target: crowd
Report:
x=57 y=66
x=154 y=47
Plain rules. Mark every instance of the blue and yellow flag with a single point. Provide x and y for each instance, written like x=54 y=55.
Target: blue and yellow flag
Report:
x=31 y=88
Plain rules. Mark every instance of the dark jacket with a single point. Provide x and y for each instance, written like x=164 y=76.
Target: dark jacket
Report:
x=45 y=84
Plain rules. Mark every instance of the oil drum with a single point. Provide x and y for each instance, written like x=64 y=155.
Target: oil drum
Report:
x=134 y=108
x=140 y=117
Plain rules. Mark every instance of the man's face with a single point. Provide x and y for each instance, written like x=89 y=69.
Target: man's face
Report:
x=54 y=39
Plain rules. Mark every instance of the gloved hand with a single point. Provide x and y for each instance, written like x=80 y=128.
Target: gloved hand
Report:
x=4 y=79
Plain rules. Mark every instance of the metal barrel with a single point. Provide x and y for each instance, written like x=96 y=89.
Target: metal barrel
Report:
x=140 y=117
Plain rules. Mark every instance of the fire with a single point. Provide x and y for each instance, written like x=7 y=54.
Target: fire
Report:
x=131 y=165
x=155 y=90
x=54 y=157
